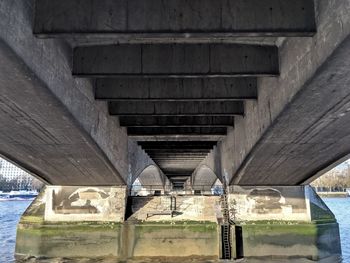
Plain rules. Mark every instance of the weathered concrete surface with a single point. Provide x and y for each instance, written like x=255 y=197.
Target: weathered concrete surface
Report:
x=175 y=18
x=186 y=208
x=299 y=125
x=152 y=176
x=138 y=162
x=178 y=158
x=174 y=108
x=213 y=162
x=52 y=125
x=313 y=241
x=188 y=89
x=37 y=236
x=174 y=60
x=39 y=133
x=203 y=178
x=287 y=221
x=150 y=231
x=176 y=131
x=176 y=121
x=185 y=240
x=81 y=204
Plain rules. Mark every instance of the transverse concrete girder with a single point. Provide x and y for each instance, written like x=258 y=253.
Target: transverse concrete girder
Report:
x=176 y=60
x=175 y=18
x=177 y=145
x=176 y=137
x=173 y=108
x=175 y=89
x=176 y=121
x=178 y=130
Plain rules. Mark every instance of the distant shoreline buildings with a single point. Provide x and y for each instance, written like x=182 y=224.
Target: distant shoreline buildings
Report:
x=13 y=178
x=9 y=172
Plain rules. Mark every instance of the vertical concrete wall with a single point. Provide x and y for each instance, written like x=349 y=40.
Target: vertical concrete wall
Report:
x=288 y=221
x=79 y=232
x=79 y=204
x=275 y=221
x=89 y=222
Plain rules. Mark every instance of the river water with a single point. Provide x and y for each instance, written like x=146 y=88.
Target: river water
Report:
x=10 y=213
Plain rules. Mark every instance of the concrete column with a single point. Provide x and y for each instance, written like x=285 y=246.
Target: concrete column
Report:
x=283 y=221
x=70 y=221
x=266 y=221
x=73 y=221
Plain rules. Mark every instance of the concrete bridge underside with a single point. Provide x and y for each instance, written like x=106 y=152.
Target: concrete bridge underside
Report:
x=93 y=92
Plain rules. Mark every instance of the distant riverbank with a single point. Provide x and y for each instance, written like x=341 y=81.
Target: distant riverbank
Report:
x=333 y=194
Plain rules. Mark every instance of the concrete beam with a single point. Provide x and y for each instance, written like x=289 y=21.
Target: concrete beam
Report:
x=50 y=123
x=176 y=137
x=178 y=131
x=174 y=18
x=176 y=121
x=180 y=152
x=178 y=158
x=119 y=89
x=292 y=153
x=39 y=133
x=184 y=158
x=173 y=108
x=177 y=145
x=300 y=122
x=176 y=60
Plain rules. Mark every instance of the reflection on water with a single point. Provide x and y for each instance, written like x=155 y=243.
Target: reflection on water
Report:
x=341 y=209
x=10 y=212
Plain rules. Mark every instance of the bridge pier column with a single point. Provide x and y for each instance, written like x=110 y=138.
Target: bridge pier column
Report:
x=72 y=221
x=282 y=221
x=90 y=222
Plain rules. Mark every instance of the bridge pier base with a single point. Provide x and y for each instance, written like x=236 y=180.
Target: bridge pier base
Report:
x=70 y=221
x=103 y=221
x=282 y=221
x=271 y=221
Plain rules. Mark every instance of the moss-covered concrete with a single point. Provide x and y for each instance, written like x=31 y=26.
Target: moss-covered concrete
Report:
x=173 y=237
x=172 y=240
x=306 y=240
x=70 y=240
x=121 y=240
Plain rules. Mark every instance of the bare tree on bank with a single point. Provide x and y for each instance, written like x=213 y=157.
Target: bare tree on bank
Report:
x=336 y=180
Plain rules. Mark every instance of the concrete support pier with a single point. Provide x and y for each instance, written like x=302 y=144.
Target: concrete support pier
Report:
x=282 y=221
x=104 y=221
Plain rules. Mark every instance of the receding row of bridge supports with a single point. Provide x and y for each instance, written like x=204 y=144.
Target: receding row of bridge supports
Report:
x=257 y=221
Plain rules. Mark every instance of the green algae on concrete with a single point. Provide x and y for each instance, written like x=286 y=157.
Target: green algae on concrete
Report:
x=175 y=239
x=307 y=240
x=71 y=240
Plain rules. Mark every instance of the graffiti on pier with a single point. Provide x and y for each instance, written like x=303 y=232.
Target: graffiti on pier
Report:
x=267 y=203
x=89 y=203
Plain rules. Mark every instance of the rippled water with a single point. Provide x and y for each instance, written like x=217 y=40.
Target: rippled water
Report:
x=341 y=209
x=10 y=213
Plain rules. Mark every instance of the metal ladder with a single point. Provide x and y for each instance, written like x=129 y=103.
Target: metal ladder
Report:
x=225 y=229
x=224 y=209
